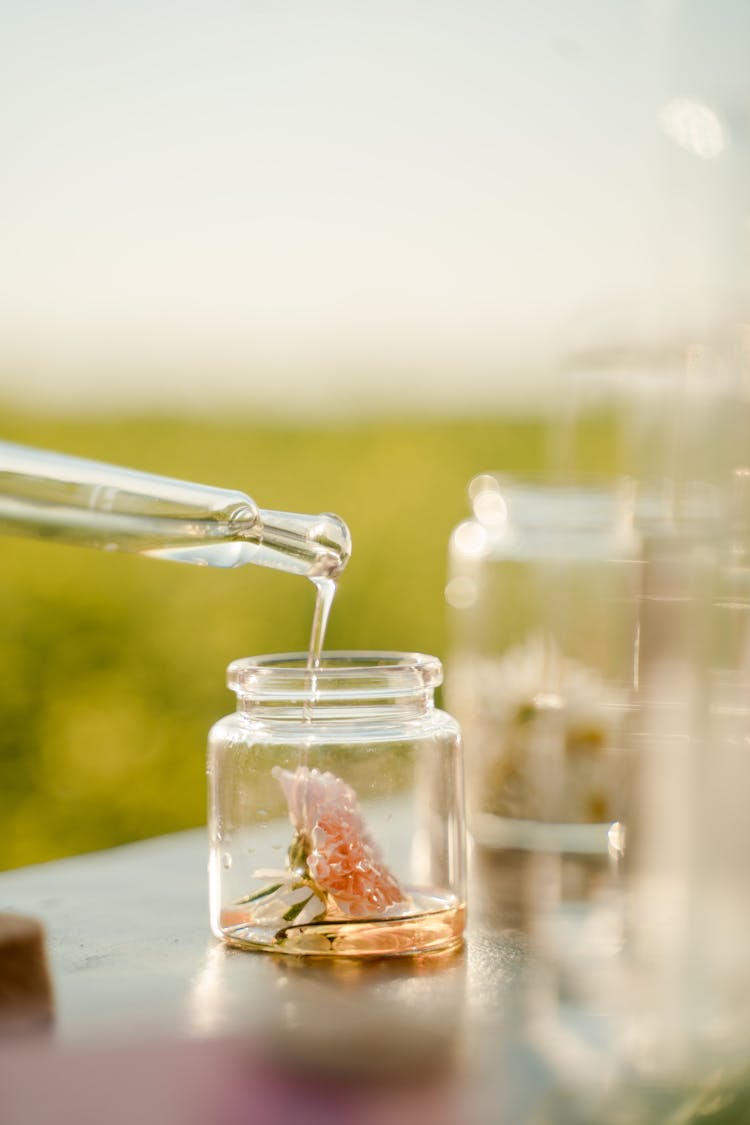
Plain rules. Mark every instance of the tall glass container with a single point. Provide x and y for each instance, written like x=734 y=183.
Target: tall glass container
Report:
x=686 y=965
x=336 y=808
x=541 y=596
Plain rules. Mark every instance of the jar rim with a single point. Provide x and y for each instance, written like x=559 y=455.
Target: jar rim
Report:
x=341 y=675
x=571 y=503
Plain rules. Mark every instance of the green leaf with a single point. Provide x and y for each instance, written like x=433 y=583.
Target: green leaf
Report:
x=296 y=909
x=259 y=894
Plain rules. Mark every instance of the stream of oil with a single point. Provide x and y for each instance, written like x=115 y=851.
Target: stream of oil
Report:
x=325 y=592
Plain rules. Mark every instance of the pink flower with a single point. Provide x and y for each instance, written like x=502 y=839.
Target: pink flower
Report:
x=342 y=858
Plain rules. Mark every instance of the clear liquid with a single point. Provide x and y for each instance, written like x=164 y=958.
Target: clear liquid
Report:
x=436 y=921
x=325 y=592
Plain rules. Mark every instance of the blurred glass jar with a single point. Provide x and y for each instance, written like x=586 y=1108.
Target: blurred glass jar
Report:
x=542 y=609
x=336 y=815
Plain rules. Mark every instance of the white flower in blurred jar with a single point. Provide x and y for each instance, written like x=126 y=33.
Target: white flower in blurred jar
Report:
x=549 y=733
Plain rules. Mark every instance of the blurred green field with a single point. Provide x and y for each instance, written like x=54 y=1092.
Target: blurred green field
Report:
x=112 y=666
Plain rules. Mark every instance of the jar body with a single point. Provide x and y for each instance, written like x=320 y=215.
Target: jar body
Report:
x=336 y=817
x=542 y=599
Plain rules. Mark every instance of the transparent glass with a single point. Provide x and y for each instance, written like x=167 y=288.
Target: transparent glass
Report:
x=687 y=897
x=542 y=612
x=336 y=816
x=89 y=503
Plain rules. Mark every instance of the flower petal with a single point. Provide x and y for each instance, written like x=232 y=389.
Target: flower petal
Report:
x=344 y=860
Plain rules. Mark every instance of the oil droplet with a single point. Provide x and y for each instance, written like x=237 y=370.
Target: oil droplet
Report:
x=226 y=860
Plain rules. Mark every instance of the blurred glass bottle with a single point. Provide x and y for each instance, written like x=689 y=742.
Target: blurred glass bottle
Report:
x=686 y=965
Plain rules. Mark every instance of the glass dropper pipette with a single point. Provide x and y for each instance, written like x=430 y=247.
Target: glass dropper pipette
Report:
x=73 y=500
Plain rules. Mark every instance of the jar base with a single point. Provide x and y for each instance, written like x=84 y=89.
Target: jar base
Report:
x=437 y=923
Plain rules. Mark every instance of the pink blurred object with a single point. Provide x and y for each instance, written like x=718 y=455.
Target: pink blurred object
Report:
x=201 y=1083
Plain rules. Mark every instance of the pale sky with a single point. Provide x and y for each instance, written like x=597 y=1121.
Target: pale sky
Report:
x=215 y=198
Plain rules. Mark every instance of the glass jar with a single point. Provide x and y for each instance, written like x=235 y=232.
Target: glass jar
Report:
x=336 y=815
x=543 y=620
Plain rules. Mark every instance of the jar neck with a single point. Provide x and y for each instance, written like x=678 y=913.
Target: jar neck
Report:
x=344 y=686
x=325 y=711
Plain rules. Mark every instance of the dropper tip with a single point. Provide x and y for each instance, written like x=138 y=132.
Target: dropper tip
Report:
x=333 y=536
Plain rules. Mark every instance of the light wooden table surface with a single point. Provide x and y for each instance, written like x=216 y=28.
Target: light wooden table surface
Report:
x=153 y=1005
x=133 y=961
x=129 y=947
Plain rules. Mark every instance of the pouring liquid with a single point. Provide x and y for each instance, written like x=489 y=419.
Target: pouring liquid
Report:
x=325 y=592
